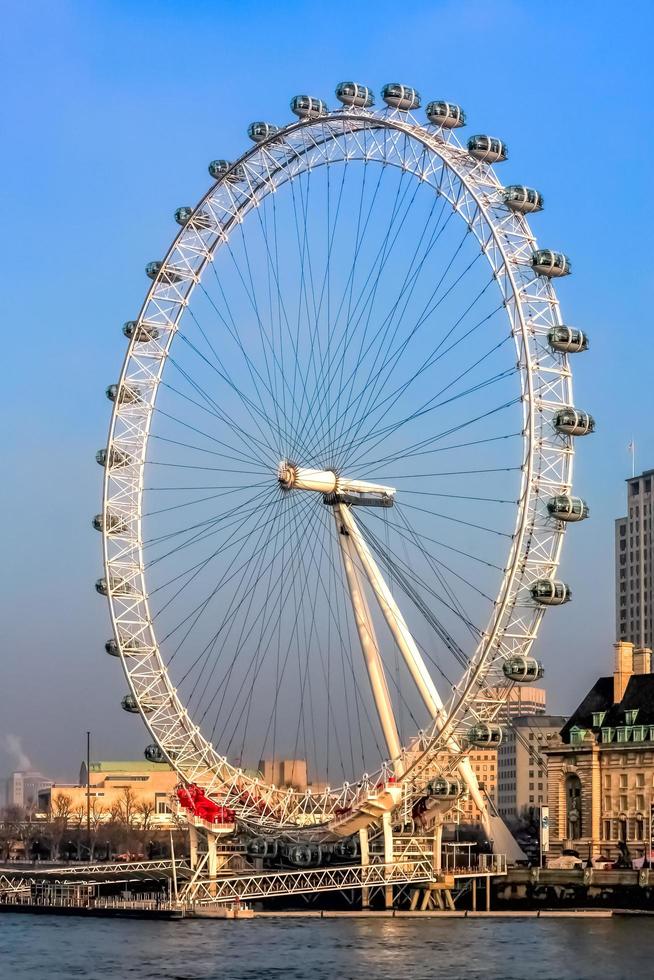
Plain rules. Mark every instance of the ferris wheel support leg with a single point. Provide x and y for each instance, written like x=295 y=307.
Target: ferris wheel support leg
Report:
x=409 y=650
x=369 y=646
x=437 y=844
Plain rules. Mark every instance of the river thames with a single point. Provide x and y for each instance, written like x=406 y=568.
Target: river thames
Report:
x=36 y=947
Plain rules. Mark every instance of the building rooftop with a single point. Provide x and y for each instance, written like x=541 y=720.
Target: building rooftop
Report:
x=639 y=693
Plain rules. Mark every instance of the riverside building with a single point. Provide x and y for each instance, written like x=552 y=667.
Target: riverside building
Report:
x=601 y=768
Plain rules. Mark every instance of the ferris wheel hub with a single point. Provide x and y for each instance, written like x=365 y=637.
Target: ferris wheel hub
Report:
x=328 y=482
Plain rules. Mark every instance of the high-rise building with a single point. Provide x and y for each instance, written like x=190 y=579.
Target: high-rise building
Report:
x=521 y=766
x=22 y=788
x=634 y=570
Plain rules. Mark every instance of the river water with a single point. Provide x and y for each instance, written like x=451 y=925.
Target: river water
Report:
x=54 y=948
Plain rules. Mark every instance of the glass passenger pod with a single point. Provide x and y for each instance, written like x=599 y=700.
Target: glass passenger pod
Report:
x=567 y=340
x=488 y=149
x=130 y=704
x=123 y=395
x=485 y=735
x=141 y=332
x=353 y=94
x=307 y=107
x=111 y=523
x=401 y=96
x=445 y=788
x=522 y=670
x=220 y=169
x=260 y=131
x=545 y=262
x=200 y=219
x=115 y=460
x=117 y=586
x=525 y=200
x=111 y=647
x=153 y=753
x=569 y=509
x=550 y=592
x=446 y=114
x=574 y=422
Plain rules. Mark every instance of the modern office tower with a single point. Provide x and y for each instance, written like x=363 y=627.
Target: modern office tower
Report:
x=634 y=572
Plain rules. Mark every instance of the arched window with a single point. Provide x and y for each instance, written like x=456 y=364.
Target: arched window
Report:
x=573 y=806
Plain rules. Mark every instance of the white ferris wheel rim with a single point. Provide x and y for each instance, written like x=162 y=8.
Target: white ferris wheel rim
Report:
x=471 y=187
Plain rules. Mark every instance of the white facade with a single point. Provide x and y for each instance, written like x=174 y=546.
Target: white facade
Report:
x=634 y=582
x=521 y=766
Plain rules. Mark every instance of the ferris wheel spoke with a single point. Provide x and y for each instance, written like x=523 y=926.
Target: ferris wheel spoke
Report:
x=435 y=355
x=373 y=440
x=248 y=594
x=224 y=491
x=212 y=408
x=369 y=383
x=212 y=523
x=241 y=590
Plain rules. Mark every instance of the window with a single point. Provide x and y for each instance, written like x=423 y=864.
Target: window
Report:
x=640 y=779
x=630 y=716
x=607 y=780
x=640 y=803
x=607 y=802
x=623 y=780
x=576 y=735
x=598 y=718
x=623 y=804
x=161 y=803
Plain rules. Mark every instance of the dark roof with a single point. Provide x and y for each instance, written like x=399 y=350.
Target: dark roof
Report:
x=599 y=698
x=639 y=694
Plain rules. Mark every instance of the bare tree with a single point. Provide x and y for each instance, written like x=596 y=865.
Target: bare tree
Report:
x=145 y=812
x=124 y=810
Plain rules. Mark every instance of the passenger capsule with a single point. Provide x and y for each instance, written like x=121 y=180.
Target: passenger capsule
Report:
x=260 y=131
x=111 y=523
x=118 y=586
x=141 y=332
x=544 y=262
x=167 y=273
x=123 y=394
x=550 y=592
x=568 y=340
x=154 y=754
x=573 y=422
x=111 y=647
x=488 y=149
x=569 y=509
x=522 y=670
x=117 y=458
x=129 y=703
x=444 y=788
x=446 y=114
x=400 y=96
x=484 y=735
x=525 y=200
x=231 y=172
x=352 y=94
x=306 y=107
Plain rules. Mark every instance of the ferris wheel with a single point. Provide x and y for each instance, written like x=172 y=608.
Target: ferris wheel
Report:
x=339 y=467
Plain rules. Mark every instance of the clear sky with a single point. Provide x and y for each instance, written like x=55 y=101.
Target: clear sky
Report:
x=111 y=112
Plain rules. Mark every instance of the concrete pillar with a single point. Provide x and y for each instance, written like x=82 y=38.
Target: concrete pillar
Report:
x=193 y=845
x=212 y=862
x=437 y=856
x=388 y=856
x=596 y=802
x=365 y=861
x=474 y=894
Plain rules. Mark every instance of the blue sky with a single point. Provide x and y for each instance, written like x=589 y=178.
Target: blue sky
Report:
x=111 y=114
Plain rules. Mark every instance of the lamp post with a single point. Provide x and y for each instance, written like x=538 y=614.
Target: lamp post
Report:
x=88 y=794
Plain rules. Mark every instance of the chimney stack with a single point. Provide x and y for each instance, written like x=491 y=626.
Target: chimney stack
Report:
x=624 y=668
x=642 y=660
